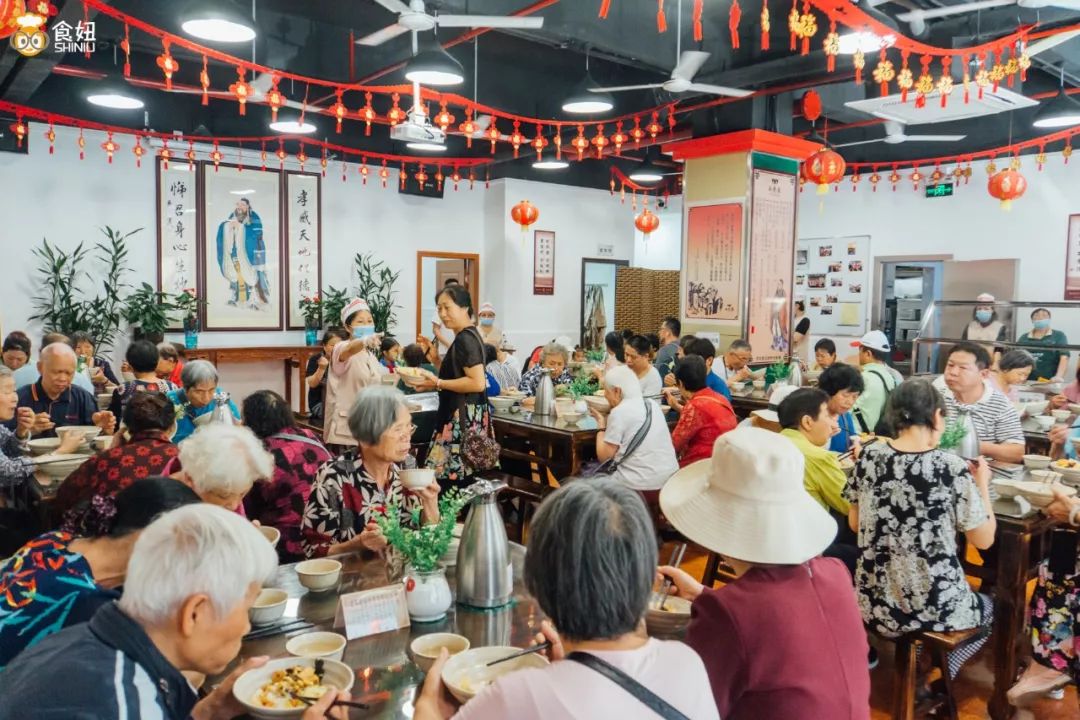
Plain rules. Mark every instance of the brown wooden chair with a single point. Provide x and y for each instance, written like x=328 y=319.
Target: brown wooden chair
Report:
x=717 y=569
x=939 y=645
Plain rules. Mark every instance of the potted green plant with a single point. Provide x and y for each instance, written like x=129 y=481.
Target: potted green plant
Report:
x=312 y=310
x=333 y=302
x=148 y=311
x=427 y=591
x=187 y=304
x=375 y=283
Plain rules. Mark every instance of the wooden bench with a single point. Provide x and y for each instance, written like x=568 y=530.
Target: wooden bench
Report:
x=939 y=645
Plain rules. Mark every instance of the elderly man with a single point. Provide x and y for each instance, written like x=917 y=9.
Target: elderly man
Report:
x=967 y=387
x=29 y=374
x=192 y=577
x=195 y=402
x=53 y=399
x=734 y=366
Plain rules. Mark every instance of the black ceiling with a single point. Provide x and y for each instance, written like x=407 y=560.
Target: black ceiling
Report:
x=530 y=72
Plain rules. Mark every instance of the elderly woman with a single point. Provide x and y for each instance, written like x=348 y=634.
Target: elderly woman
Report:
x=98 y=368
x=489 y=332
x=634 y=435
x=843 y=384
x=354 y=365
x=350 y=491
x=60 y=579
x=784 y=640
x=15 y=465
x=193 y=575
x=224 y=484
x=170 y=364
x=1014 y=367
x=16 y=350
x=553 y=359
x=145 y=451
x=142 y=358
x=705 y=414
x=195 y=401
x=582 y=531
x=298 y=453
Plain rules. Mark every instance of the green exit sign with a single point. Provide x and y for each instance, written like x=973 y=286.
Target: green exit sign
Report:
x=944 y=189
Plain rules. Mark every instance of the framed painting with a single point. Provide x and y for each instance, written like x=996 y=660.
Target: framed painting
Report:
x=178 y=220
x=303 y=243
x=241 y=249
x=543 y=262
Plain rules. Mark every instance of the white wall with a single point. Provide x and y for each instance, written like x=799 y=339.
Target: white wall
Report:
x=662 y=250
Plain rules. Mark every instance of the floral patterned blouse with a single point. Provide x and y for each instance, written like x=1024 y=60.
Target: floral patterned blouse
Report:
x=911 y=506
x=344 y=498
x=45 y=587
x=531 y=379
x=15 y=465
x=279 y=502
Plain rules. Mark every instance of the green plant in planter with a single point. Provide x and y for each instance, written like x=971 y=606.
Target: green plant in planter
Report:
x=64 y=305
x=148 y=311
x=423 y=546
x=375 y=283
x=333 y=302
x=187 y=303
x=584 y=384
x=595 y=356
x=312 y=310
x=952 y=436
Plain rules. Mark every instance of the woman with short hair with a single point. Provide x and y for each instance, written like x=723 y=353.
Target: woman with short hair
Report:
x=579 y=535
x=98 y=368
x=1014 y=367
x=170 y=363
x=705 y=414
x=142 y=358
x=556 y=361
x=279 y=500
x=843 y=384
x=221 y=463
x=195 y=400
x=354 y=365
x=351 y=490
x=16 y=350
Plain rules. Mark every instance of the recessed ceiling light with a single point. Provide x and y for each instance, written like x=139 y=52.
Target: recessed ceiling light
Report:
x=426 y=147
x=550 y=164
x=646 y=175
x=292 y=127
x=218 y=21
x=587 y=98
x=868 y=42
x=115 y=100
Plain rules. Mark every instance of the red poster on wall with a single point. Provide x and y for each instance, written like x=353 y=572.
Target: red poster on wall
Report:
x=543 y=262
x=712 y=268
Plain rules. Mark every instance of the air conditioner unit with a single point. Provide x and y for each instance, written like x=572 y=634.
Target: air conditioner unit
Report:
x=891 y=108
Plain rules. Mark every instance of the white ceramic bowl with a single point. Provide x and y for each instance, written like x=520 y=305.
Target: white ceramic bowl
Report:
x=319 y=575
x=1061 y=415
x=1074 y=408
x=268 y=607
x=425 y=649
x=736 y=386
x=335 y=673
x=759 y=384
x=328 y=645
x=1045 y=476
x=104 y=400
x=600 y=404
x=1044 y=422
x=1038 y=494
x=572 y=418
x=62 y=467
x=1036 y=462
x=89 y=432
x=466 y=673
x=502 y=404
x=43 y=446
x=1036 y=408
x=1071 y=474
x=272 y=534
x=671 y=620
x=103 y=442
x=417 y=478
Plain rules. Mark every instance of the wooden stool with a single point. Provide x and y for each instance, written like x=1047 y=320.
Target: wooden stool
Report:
x=717 y=569
x=939 y=645
x=529 y=495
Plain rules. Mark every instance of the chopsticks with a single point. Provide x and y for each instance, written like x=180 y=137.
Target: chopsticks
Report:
x=336 y=703
x=279 y=629
x=526 y=651
x=676 y=560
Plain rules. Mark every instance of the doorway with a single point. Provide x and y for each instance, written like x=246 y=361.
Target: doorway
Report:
x=598 y=300
x=433 y=271
x=907 y=289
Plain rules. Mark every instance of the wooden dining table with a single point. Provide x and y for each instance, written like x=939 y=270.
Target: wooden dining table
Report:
x=549 y=442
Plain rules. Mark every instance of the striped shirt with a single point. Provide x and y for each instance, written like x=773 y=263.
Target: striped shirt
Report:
x=994 y=417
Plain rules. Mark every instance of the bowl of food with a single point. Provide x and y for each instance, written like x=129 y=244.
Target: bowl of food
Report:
x=425 y=649
x=417 y=478
x=759 y=384
x=319 y=575
x=736 y=386
x=572 y=418
x=599 y=404
x=58 y=467
x=1061 y=415
x=272 y=534
x=1043 y=422
x=103 y=442
x=1045 y=476
x=467 y=673
x=326 y=645
x=410 y=375
x=1069 y=468
x=502 y=404
x=1036 y=462
x=672 y=620
x=43 y=446
x=273 y=690
x=1039 y=494
x=89 y=432
x=268 y=607
x=1036 y=408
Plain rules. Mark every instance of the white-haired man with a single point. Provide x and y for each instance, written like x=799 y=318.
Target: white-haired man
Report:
x=55 y=401
x=192 y=577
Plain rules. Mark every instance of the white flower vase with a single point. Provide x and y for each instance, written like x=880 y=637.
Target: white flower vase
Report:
x=427 y=594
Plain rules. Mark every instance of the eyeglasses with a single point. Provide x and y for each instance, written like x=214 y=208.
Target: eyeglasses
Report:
x=406 y=431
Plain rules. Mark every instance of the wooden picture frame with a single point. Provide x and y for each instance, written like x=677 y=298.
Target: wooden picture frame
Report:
x=543 y=262
x=179 y=216
x=303 y=242
x=254 y=301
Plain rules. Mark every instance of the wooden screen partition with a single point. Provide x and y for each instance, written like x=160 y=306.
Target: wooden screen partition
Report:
x=643 y=298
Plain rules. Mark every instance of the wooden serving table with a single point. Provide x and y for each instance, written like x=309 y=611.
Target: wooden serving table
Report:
x=546 y=441
x=748 y=401
x=291 y=356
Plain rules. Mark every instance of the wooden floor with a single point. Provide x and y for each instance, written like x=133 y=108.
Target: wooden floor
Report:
x=972 y=687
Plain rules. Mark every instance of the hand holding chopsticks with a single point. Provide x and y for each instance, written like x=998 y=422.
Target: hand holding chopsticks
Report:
x=676 y=560
x=527 y=651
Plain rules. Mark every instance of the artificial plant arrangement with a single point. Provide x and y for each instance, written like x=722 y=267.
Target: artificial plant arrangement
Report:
x=584 y=384
x=375 y=283
x=423 y=546
x=595 y=356
x=312 y=310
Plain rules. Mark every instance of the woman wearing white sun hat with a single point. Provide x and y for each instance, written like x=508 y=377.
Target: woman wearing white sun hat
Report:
x=353 y=366
x=786 y=639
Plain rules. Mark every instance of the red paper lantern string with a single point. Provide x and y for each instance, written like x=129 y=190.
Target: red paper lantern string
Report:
x=109 y=147
x=275 y=99
x=493 y=133
x=204 y=81
x=734 y=15
x=215 y=156
x=241 y=90
x=125 y=47
x=167 y=63
x=699 y=8
x=165 y=154
x=138 y=151
x=82 y=145
x=661 y=18
x=765 y=24
x=50 y=135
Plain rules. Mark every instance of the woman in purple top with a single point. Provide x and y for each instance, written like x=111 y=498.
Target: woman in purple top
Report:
x=786 y=639
x=298 y=454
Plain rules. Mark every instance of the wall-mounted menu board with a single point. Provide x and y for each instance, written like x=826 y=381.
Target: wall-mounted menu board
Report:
x=831 y=277
x=772 y=250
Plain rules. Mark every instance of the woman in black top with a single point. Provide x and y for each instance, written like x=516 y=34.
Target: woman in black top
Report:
x=316 y=370
x=800 y=342
x=463 y=409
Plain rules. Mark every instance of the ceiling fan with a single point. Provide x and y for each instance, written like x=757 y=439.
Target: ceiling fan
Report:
x=260 y=85
x=682 y=79
x=413 y=16
x=894 y=135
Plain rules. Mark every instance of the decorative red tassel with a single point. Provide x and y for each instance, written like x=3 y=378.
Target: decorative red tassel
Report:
x=125 y=45
x=765 y=24
x=699 y=7
x=734 y=14
x=204 y=80
x=793 y=21
x=604 y=7
x=1012 y=59
x=661 y=19
x=806 y=36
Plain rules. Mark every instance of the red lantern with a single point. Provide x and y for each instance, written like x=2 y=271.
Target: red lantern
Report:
x=823 y=167
x=275 y=99
x=493 y=135
x=516 y=138
x=367 y=114
x=19 y=128
x=646 y=222
x=619 y=138
x=580 y=142
x=524 y=214
x=600 y=141
x=444 y=118
x=109 y=147
x=138 y=150
x=395 y=114
x=9 y=10
x=339 y=111
x=468 y=128
x=1006 y=186
x=215 y=156
x=539 y=143
x=167 y=63
x=654 y=127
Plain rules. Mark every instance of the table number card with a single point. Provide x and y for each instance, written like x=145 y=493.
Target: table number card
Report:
x=370 y=612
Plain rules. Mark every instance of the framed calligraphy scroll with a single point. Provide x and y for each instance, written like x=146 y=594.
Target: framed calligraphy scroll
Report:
x=543 y=262
x=712 y=269
x=178 y=219
x=241 y=257
x=772 y=264
x=303 y=243
x=1072 y=259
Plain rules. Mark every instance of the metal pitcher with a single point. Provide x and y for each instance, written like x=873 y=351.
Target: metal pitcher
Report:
x=221 y=412
x=969 y=445
x=485 y=574
x=795 y=372
x=545 y=395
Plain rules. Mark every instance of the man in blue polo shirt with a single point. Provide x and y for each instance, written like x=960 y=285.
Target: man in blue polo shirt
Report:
x=28 y=374
x=55 y=401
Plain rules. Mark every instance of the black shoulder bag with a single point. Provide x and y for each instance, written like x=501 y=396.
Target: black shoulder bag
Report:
x=858 y=412
x=647 y=697
x=609 y=467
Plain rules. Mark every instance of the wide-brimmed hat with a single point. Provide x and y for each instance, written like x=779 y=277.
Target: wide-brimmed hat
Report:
x=353 y=306
x=748 y=502
x=779 y=393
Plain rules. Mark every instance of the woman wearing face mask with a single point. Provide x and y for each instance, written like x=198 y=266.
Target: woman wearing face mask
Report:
x=490 y=334
x=1049 y=363
x=985 y=327
x=353 y=366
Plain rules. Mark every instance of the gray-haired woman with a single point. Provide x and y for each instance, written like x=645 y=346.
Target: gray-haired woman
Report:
x=354 y=488
x=199 y=379
x=583 y=531
x=554 y=359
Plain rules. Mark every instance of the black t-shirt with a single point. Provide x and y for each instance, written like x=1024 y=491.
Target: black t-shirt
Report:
x=315 y=394
x=466 y=351
x=803 y=326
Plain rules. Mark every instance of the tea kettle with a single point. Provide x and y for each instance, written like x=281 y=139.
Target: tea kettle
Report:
x=969 y=444
x=485 y=574
x=221 y=412
x=545 y=395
